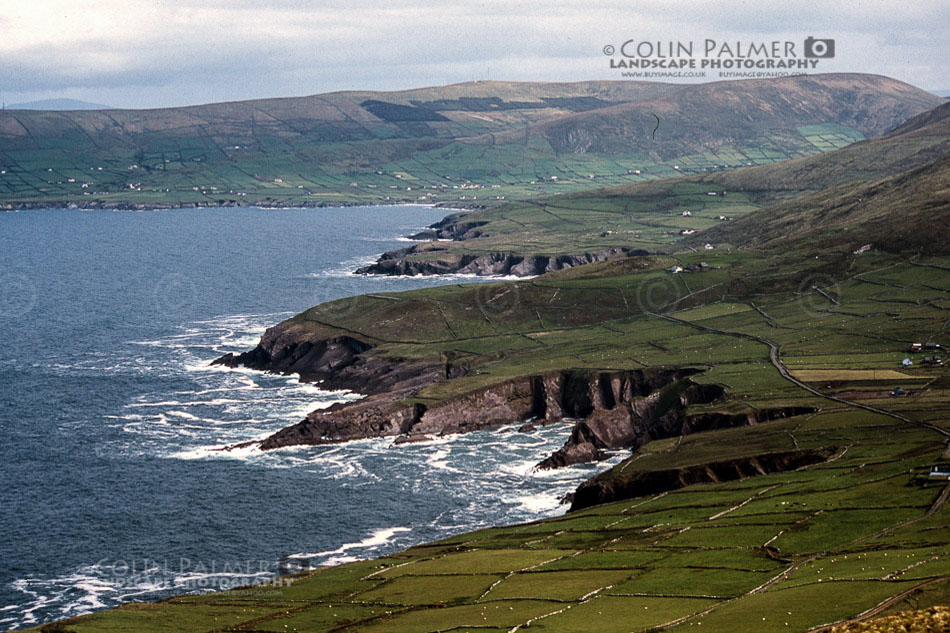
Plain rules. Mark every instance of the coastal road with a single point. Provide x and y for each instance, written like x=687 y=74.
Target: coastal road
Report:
x=776 y=360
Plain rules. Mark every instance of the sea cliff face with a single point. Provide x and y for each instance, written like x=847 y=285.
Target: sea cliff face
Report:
x=432 y=257
x=661 y=414
x=612 y=410
x=542 y=399
x=390 y=386
x=341 y=362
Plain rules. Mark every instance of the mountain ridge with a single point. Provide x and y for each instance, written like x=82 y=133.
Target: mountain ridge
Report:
x=466 y=144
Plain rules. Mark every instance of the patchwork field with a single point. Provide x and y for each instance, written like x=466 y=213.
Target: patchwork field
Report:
x=854 y=190
x=852 y=375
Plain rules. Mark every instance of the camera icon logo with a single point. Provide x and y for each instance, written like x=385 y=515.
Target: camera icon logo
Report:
x=819 y=49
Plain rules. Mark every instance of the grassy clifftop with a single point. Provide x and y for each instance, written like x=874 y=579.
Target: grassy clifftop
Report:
x=790 y=524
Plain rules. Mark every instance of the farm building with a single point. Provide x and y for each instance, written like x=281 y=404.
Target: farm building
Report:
x=940 y=472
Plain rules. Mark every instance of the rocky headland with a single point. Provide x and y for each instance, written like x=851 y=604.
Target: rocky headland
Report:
x=611 y=410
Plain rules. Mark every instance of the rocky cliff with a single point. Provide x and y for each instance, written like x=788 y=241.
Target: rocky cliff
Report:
x=542 y=398
x=661 y=414
x=613 y=409
x=341 y=362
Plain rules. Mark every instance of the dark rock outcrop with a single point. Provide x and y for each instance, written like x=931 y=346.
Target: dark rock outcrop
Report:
x=543 y=398
x=398 y=262
x=341 y=362
x=451 y=228
x=659 y=415
x=612 y=486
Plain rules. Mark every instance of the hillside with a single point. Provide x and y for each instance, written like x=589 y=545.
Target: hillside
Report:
x=473 y=143
x=907 y=212
x=719 y=114
x=903 y=169
x=903 y=193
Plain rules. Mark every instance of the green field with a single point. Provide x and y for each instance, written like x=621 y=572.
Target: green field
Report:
x=856 y=187
x=462 y=173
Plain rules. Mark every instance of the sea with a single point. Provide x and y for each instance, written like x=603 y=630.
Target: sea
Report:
x=110 y=490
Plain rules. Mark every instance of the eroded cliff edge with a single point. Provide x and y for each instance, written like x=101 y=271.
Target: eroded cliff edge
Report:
x=612 y=410
x=433 y=257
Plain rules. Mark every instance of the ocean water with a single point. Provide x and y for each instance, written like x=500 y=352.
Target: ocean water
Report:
x=109 y=409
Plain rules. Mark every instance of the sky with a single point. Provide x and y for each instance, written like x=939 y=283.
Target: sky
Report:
x=158 y=53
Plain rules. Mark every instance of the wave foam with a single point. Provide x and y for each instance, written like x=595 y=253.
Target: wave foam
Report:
x=376 y=540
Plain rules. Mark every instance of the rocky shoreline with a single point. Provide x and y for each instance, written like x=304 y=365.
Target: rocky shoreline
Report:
x=539 y=399
x=611 y=410
x=425 y=258
x=389 y=409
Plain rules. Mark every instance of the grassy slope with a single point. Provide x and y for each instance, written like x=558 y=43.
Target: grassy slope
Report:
x=805 y=548
x=650 y=215
x=484 y=140
x=859 y=215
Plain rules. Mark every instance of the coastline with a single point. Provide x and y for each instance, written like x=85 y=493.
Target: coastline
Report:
x=259 y=204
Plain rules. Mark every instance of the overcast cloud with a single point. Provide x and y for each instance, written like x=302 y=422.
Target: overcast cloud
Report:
x=151 y=53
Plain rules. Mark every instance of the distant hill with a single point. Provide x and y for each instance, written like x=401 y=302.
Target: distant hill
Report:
x=916 y=142
x=465 y=143
x=892 y=192
x=57 y=104
x=728 y=113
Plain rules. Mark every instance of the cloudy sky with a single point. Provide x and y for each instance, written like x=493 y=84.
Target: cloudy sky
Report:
x=151 y=53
